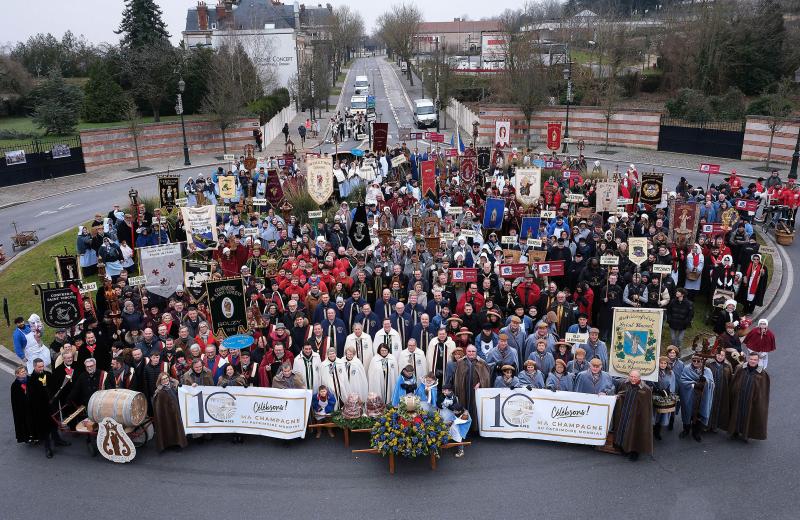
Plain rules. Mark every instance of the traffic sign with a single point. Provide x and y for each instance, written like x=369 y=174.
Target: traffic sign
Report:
x=370 y=101
x=371 y=117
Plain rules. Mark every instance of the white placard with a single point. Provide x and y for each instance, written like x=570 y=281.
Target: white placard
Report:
x=534 y=242
x=182 y=203
x=544 y=415
x=576 y=337
x=575 y=197
x=401 y=233
x=229 y=157
x=250 y=232
x=259 y=202
x=508 y=239
x=767 y=250
x=315 y=214
x=361 y=137
x=661 y=269
x=269 y=412
x=397 y=161
x=135 y=281
x=622 y=201
x=448 y=236
x=469 y=233
x=222 y=210
x=548 y=214
x=455 y=210
x=89 y=287
x=609 y=260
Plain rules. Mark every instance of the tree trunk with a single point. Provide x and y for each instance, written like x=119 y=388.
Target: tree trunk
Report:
x=528 y=131
x=224 y=142
x=772 y=129
x=136 y=149
x=608 y=122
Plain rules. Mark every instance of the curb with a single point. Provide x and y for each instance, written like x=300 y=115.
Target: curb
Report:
x=103 y=183
x=8 y=359
x=721 y=172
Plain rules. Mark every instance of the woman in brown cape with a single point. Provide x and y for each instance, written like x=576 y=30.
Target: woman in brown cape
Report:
x=749 y=401
x=471 y=373
x=167 y=414
x=720 y=403
x=633 y=415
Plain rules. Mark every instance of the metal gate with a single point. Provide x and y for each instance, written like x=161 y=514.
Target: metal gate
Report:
x=41 y=160
x=714 y=138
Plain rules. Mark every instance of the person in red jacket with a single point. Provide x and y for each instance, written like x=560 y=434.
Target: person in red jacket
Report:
x=584 y=297
x=528 y=292
x=474 y=297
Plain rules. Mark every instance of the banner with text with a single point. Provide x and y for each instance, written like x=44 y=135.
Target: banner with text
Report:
x=270 y=412
x=544 y=415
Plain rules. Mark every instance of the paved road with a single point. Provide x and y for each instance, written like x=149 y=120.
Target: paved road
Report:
x=319 y=478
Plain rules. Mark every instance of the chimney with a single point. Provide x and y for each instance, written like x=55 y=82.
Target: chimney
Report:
x=220 y=13
x=202 y=16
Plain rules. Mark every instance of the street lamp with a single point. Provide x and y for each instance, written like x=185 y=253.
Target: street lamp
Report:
x=795 y=157
x=475 y=125
x=179 y=110
x=568 y=77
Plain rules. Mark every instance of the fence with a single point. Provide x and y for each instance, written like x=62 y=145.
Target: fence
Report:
x=714 y=138
x=39 y=160
x=274 y=126
x=463 y=116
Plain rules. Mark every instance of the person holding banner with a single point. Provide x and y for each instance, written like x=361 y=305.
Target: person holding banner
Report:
x=633 y=417
x=595 y=380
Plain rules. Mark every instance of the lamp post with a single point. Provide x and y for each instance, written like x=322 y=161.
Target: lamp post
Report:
x=568 y=77
x=475 y=126
x=179 y=110
x=795 y=157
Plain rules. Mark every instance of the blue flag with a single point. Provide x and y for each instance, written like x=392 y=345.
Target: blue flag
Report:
x=461 y=146
x=493 y=214
x=529 y=228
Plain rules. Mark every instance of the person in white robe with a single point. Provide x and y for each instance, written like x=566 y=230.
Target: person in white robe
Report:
x=331 y=374
x=390 y=337
x=354 y=379
x=383 y=374
x=307 y=365
x=440 y=346
x=362 y=344
x=414 y=357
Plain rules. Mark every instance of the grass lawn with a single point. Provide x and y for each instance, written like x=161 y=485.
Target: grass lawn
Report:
x=37 y=266
x=335 y=91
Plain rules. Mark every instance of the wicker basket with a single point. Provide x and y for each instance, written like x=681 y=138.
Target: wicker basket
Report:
x=784 y=238
x=663 y=404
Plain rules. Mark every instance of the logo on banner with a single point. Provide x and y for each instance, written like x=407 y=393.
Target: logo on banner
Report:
x=113 y=443
x=553 y=136
x=512 y=270
x=227 y=305
x=464 y=274
x=227 y=187
x=60 y=306
x=746 y=205
x=168 y=191
x=319 y=179
x=652 y=188
x=709 y=168
x=484 y=158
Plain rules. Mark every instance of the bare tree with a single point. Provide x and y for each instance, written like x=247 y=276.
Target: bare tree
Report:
x=347 y=29
x=398 y=29
x=133 y=120
x=777 y=108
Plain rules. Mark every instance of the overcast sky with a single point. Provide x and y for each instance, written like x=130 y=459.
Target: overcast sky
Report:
x=97 y=19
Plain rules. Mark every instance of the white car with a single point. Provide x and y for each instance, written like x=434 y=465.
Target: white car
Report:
x=358 y=105
x=425 y=113
x=361 y=86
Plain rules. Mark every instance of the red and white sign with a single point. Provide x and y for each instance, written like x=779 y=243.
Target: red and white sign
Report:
x=713 y=229
x=451 y=152
x=553 y=136
x=428 y=174
x=514 y=270
x=553 y=165
x=709 y=168
x=463 y=274
x=416 y=135
x=554 y=268
x=746 y=205
x=434 y=137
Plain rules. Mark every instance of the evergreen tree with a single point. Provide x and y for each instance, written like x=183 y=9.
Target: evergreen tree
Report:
x=142 y=24
x=57 y=104
x=104 y=100
x=755 y=52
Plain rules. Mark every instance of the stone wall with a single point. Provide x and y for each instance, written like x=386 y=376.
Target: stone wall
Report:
x=756 y=140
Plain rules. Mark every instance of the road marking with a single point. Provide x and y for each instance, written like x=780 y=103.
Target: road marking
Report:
x=46 y=212
x=70 y=205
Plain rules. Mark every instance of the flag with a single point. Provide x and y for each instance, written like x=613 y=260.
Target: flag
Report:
x=554 y=268
x=428 y=169
x=463 y=274
x=529 y=228
x=163 y=267
x=461 y=146
x=513 y=270
x=746 y=205
x=493 y=213
x=359 y=229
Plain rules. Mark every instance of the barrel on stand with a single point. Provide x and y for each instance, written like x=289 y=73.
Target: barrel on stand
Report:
x=127 y=407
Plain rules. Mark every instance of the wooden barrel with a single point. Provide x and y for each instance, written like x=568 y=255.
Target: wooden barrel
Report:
x=784 y=238
x=127 y=407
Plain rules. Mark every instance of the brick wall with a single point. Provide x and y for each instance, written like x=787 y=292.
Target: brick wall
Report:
x=630 y=127
x=107 y=147
x=756 y=140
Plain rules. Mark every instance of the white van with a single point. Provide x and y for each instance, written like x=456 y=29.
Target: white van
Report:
x=358 y=105
x=425 y=113
x=362 y=86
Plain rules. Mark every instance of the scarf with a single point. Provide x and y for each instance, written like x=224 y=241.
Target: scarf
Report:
x=753 y=277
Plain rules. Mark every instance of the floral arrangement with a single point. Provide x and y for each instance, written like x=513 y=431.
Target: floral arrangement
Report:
x=359 y=423
x=407 y=432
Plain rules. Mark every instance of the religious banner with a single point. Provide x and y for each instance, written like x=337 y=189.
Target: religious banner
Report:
x=463 y=274
x=606 y=196
x=380 y=135
x=502 y=134
x=227 y=187
x=269 y=412
x=68 y=269
x=319 y=179
x=513 y=270
x=683 y=222
x=652 y=188
x=569 y=417
x=529 y=228
x=163 y=268
x=195 y=275
x=359 y=230
x=527 y=183
x=113 y=443
x=493 y=213
x=551 y=268
x=227 y=305
x=636 y=342
x=637 y=250
x=200 y=224
x=60 y=306
x=274 y=193
x=428 y=175
x=746 y=205
x=168 y=191
x=553 y=136
x=484 y=158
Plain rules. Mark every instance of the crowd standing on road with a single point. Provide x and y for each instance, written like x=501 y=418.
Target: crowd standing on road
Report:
x=397 y=318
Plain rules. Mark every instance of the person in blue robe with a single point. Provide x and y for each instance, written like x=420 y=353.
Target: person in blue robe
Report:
x=696 y=389
x=666 y=385
x=676 y=365
x=428 y=393
x=460 y=427
x=595 y=348
x=559 y=378
x=508 y=379
x=530 y=377
x=594 y=381
x=544 y=359
x=406 y=384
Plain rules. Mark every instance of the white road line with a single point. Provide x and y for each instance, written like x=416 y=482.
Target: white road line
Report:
x=787 y=287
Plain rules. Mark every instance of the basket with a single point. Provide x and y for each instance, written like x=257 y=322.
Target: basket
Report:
x=662 y=404
x=784 y=238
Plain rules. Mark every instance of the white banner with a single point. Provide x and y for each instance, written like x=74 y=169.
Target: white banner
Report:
x=544 y=415
x=201 y=227
x=163 y=267
x=269 y=412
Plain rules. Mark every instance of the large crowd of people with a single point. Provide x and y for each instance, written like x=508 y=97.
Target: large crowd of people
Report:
x=391 y=320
